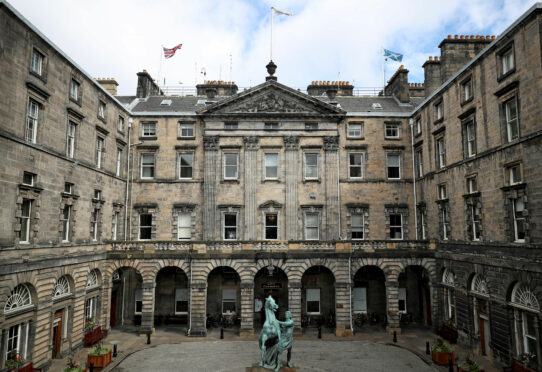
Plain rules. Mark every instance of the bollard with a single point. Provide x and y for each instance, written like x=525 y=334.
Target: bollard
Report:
x=148 y=338
x=91 y=367
x=450 y=365
x=114 y=350
x=221 y=333
x=395 y=336
x=319 y=332
x=427 y=348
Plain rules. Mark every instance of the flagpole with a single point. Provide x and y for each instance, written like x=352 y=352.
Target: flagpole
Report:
x=160 y=69
x=271 y=42
x=383 y=73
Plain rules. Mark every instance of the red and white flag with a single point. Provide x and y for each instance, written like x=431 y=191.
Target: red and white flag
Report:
x=170 y=52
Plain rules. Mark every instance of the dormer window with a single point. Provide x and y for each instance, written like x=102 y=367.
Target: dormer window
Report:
x=97 y=194
x=377 y=106
x=37 y=62
x=165 y=102
x=29 y=179
x=68 y=188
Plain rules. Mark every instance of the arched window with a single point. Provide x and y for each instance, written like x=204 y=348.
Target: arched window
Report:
x=479 y=286
x=18 y=299
x=62 y=287
x=92 y=280
x=523 y=297
x=448 y=280
x=527 y=308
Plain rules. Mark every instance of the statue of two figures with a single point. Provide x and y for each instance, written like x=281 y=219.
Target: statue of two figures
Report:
x=275 y=337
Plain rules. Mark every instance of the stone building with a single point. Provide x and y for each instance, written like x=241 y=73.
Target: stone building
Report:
x=417 y=206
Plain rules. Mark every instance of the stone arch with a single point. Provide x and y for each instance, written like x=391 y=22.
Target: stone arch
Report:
x=31 y=290
x=99 y=278
x=71 y=285
x=298 y=269
x=227 y=262
x=107 y=274
x=428 y=264
x=368 y=261
x=524 y=296
x=163 y=263
x=261 y=263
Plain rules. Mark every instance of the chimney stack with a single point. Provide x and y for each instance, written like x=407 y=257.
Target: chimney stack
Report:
x=109 y=84
x=146 y=86
x=398 y=85
x=432 y=75
x=458 y=51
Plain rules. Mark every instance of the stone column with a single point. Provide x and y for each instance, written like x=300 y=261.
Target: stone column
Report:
x=105 y=311
x=291 y=146
x=247 y=309
x=147 y=311
x=436 y=313
x=331 y=148
x=41 y=331
x=294 y=303
x=392 y=295
x=342 y=309
x=198 y=309
x=251 y=179
x=76 y=317
x=210 y=180
x=538 y=347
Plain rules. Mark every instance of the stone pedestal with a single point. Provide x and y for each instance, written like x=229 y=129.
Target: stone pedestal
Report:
x=256 y=368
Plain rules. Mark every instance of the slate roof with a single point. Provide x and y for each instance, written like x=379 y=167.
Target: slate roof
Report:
x=365 y=104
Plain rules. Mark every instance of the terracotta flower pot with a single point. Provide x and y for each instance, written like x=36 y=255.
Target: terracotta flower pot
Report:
x=442 y=358
x=99 y=360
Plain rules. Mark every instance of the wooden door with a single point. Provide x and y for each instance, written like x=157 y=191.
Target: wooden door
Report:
x=57 y=333
x=483 y=326
x=113 y=309
x=427 y=295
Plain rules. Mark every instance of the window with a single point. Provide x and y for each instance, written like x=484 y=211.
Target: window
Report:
x=472 y=185
x=311 y=166
x=271 y=165
x=475 y=215
x=418 y=159
x=357 y=226
x=441 y=152
x=101 y=110
x=514 y=174
x=445 y=221
x=32 y=121
x=184 y=226
x=396 y=226
x=418 y=125
x=355 y=130
x=360 y=300
x=271 y=126
x=62 y=288
x=392 y=130
x=120 y=124
x=36 y=64
x=422 y=224
x=90 y=308
x=449 y=303
x=70 y=142
x=29 y=179
x=97 y=194
x=115 y=229
x=439 y=110
x=470 y=138
x=66 y=212
x=148 y=129
x=94 y=223
x=99 y=151
x=313 y=300
x=518 y=207
x=402 y=300
x=511 y=118
x=271 y=226
x=442 y=192
x=229 y=301
x=230 y=126
x=14 y=336
x=312 y=226
x=186 y=166
x=138 y=301
x=119 y=157
x=181 y=301
x=231 y=163
x=393 y=162
x=74 y=90
x=507 y=61
x=356 y=165
x=230 y=226
x=529 y=332
x=25 y=221
x=311 y=126
x=187 y=130
x=145 y=226
x=68 y=188
x=466 y=87
x=147 y=166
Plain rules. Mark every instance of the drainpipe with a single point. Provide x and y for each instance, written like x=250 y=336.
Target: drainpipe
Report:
x=339 y=190
x=123 y=298
x=190 y=289
x=411 y=123
x=350 y=287
x=130 y=122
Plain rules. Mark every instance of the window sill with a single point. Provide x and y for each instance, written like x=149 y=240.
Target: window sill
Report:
x=504 y=76
x=438 y=121
x=148 y=138
x=102 y=119
x=416 y=135
x=186 y=138
x=357 y=179
x=392 y=138
x=394 y=179
x=469 y=100
x=308 y=180
x=76 y=101
x=186 y=179
x=355 y=138
x=121 y=132
x=42 y=76
x=230 y=181
x=271 y=180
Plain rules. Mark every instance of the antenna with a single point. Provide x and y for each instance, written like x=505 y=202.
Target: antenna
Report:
x=231 y=65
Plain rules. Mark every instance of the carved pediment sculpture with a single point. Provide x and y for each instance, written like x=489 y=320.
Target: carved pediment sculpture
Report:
x=268 y=103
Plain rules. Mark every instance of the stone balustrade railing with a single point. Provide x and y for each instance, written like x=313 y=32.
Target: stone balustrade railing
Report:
x=239 y=246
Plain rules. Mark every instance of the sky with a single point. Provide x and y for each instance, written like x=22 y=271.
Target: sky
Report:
x=230 y=39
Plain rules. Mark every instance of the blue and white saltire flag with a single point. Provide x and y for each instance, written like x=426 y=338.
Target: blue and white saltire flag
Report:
x=392 y=55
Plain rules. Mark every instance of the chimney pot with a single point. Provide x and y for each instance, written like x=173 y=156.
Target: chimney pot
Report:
x=430 y=58
x=456 y=36
x=462 y=37
x=449 y=36
x=492 y=37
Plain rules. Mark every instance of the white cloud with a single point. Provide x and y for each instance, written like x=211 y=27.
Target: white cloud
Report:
x=119 y=38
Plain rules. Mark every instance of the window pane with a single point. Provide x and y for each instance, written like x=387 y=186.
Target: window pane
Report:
x=393 y=160
x=395 y=220
x=311 y=159
x=230 y=219
x=357 y=220
x=360 y=299
x=312 y=219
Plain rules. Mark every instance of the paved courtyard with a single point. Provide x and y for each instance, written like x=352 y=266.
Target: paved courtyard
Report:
x=307 y=356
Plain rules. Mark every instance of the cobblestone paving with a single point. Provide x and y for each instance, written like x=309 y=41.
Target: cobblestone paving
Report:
x=236 y=356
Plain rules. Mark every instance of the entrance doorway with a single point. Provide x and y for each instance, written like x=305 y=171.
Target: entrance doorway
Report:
x=57 y=333
x=113 y=309
x=483 y=324
x=270 y=281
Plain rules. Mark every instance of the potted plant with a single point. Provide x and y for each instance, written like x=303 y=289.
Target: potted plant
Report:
x=469 y=365
x=99 y=356
x=448 y=330
x=528 y=360
x=14 y=362
x=73 y=366
x=89 y=324
x=441 y=353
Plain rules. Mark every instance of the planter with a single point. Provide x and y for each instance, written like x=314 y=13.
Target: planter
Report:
x=448 y=333
x=459 y=369
x=442 y=358
x=99 y=361
x=518 y=367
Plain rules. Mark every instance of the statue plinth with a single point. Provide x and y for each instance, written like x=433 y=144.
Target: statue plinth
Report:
x=256 y=368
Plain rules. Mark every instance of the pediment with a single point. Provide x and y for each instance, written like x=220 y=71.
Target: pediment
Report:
x=271 y=98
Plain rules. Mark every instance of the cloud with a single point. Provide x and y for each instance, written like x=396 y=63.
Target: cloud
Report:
x=324 y=40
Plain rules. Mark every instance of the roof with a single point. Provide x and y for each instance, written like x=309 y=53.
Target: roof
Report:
x=364 y=105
